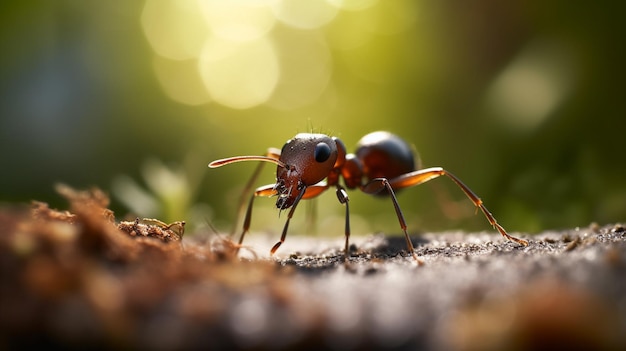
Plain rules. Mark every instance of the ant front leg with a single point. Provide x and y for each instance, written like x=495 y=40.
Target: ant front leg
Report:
x=342 y=196
x=284 y=234
x=307 y=193
x=270 y=190
x=424 y=175
x=266 y=190
x=271 y=152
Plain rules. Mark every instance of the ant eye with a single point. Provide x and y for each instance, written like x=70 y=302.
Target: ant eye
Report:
x=322 y=152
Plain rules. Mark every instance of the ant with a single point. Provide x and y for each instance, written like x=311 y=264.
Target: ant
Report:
x=382 y=164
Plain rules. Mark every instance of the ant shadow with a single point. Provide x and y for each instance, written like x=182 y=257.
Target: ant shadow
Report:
x=378 y=248
x=395 y=244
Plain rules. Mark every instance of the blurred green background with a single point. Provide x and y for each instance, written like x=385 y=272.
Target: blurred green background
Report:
x=523 y=100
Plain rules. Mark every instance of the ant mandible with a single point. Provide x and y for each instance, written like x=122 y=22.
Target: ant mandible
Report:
x=382 y=161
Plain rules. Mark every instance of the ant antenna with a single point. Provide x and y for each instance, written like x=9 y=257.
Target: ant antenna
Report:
x=229 y=160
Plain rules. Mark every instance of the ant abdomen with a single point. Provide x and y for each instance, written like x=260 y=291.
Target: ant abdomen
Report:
x=384 y=155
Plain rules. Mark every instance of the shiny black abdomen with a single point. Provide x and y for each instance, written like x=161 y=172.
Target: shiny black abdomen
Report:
x=384 y=155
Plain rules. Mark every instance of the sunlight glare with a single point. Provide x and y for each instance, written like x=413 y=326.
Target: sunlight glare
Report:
x=306 y=69
x=352 y=5
x=174 y=29
x=180 y=81
x=305 y=14
x=238 y=20
x=239 y=74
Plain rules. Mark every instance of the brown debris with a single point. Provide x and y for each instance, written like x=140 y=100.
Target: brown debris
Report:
x=79 y=279
x=157 y=230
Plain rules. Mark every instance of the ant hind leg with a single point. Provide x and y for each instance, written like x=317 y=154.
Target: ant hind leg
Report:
x=424 y=175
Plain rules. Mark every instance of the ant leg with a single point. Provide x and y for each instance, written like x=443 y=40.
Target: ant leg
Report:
x=315 y=190
x=342 y=196
x=424 y=175
x=312 y=192
x=269 y=190
x=244 y=192
x=271 y=152
x=266 y=190
x=291 y=211
x=375 y=186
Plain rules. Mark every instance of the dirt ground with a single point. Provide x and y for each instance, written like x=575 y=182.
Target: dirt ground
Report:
x=79 y=278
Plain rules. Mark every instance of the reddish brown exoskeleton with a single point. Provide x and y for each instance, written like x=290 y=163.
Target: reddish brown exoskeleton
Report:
x=382 y=164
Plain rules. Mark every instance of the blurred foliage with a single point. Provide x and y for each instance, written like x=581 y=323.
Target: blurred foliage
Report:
x=520 y=99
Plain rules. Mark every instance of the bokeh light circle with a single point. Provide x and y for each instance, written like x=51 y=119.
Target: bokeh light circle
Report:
x=239 y=74
x=174 y=29
x=304 y=14
x=238 y=20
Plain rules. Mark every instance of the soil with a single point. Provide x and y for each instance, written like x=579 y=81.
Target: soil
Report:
x=80 y=279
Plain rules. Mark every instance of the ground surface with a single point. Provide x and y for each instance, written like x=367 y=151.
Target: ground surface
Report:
x=78 y=278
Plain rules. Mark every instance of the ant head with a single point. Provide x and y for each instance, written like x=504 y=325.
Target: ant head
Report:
x=309 y=158
x=305 y=160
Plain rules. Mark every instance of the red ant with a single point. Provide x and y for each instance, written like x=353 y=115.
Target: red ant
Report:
x=385 y=161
